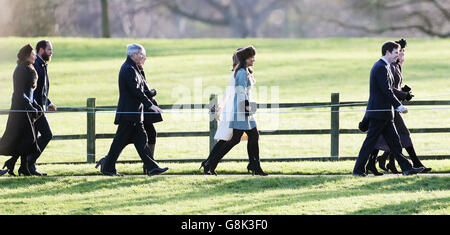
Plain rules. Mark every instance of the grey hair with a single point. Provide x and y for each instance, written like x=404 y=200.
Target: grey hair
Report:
x=134 y=48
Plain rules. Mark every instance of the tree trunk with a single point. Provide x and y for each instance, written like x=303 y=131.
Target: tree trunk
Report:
x=105 y=19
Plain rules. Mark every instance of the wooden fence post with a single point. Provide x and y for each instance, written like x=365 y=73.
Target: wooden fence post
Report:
x=90 y=130
x=335 y=125
x=212 y=121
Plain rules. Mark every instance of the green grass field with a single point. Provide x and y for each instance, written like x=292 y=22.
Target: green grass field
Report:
x=188 y=71
x=225 y=195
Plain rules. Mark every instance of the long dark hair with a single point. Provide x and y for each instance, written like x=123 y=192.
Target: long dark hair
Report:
x=242 y=65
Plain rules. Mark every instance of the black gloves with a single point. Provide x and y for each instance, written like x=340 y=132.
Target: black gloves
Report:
x=409 y=96
x=153 y=92
x=364 y=125
x=406 y=88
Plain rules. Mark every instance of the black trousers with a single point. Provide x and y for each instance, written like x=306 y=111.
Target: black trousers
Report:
x=151 y=133
x=127 y=133
x=43 y=128
x=389 y=132
x=226 y=146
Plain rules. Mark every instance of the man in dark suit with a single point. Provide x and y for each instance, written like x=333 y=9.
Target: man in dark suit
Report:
x=380 y=112
x=44 y=50
x=130 y=116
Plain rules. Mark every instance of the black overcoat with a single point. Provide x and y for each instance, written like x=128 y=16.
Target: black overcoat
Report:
x=19 y=138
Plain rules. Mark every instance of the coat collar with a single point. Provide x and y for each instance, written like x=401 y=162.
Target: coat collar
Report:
x=131 y=62
x=384 y=61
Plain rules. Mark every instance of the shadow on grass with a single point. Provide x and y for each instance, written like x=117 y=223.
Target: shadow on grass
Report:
x=408 y=207
x=237 y=195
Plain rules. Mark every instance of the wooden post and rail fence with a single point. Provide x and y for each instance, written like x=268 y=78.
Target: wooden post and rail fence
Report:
x=335 y=131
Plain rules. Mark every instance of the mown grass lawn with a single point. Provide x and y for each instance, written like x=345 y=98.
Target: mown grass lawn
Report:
x=225 y=195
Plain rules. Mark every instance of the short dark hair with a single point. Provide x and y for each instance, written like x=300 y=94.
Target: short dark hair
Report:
x=41 y=44
x=389 y=46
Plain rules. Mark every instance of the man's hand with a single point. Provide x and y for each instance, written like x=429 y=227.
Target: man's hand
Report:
x=52 y=107
x=402 y=109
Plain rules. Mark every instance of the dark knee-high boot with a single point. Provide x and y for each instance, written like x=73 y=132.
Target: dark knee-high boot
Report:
x=415 y=160
x=391 y=164
x=382 y=160
x=371 y=166
x=152 y=156
x=255 y=167
x=206 y=164
x=10 y=164
x=23 y=169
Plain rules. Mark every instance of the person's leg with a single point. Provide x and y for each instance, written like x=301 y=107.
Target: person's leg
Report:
x=41 y=126
x=391 y=165
x=151 y=137
x=253 y=152
x=371 y=166
x=416 y=161
x=374 y=131
x=382 y=160
x=393 y=141
x=10 y=164
x=121 y=139
x=217 y=147
x=23 y=169
x=225 y=148
x=141 y=144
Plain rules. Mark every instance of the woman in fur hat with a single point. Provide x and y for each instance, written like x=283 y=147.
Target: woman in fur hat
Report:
x=242 y=119
x=19 y=138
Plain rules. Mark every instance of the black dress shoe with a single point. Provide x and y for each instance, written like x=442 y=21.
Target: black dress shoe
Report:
x=2 y=172
x=359 y=174
x=35 y=172
x=426 y=170
x=24 y=171
x=392 y=168
x=157 y=171
x=374 y=171
x=413 y=171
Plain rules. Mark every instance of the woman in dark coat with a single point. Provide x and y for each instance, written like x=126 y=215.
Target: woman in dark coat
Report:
x=19 y=138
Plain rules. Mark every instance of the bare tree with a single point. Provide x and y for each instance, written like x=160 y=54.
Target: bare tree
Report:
x=429 y=17
x=33 y=18
x=243 y=17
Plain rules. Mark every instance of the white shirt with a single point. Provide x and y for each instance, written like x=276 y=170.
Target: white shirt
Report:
x=385 y=61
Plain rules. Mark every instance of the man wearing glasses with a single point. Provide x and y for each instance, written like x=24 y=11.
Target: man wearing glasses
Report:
x=130 y=116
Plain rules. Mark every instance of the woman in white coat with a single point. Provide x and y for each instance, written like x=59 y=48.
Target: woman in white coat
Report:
x=224 y=113
x=242 y=121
